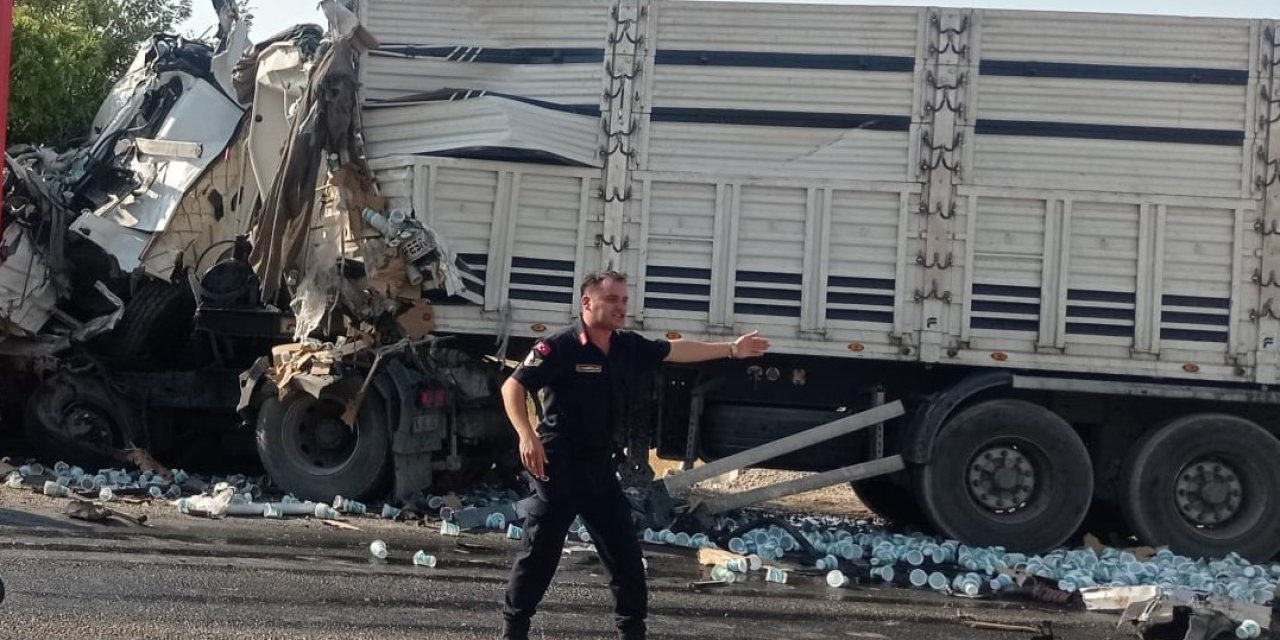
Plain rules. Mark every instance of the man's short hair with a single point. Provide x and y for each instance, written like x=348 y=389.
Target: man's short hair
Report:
x=597 y=278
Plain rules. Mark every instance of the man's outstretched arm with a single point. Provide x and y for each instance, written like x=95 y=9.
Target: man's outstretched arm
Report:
x=750 y=345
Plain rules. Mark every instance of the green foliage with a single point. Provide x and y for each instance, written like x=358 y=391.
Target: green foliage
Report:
x=66 y=55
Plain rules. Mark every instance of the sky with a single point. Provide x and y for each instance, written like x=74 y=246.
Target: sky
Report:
x=271 y=16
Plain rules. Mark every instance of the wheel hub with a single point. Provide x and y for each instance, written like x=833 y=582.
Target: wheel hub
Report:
x=1001 y=478
x=87 y=424
x=321 y=439
x=1209 y=492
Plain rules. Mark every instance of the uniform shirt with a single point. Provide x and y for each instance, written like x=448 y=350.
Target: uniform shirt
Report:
x=582 y=387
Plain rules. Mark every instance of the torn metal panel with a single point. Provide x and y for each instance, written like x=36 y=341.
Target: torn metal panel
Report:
x=326 y=123
x=203 y=118
x=482 y=126
x=27 y=291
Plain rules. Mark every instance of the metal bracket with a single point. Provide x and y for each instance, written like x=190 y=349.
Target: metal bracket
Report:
x=608 y=69
x=938 y=211
x=927 y=139
x=933 y=294
x=612 y=243
x=1270 y=173
x=937 y=23
x=939 y=161
x=614 y=195
x=617 y=148
x=625 y=132
x=930 y=78
x=1265 y=311
x=937 y=262
x=1271 y=228
x=960 y=51
x=956 y=107
x=1270 y=281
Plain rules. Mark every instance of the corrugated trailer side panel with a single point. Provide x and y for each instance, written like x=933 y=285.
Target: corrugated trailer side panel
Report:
x=1096 y=176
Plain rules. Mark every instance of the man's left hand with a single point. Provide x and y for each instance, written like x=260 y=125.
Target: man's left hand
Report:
x=751 y=345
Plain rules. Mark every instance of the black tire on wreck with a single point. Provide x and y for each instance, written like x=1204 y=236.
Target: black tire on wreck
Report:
x=1008 y=473
x=310 y=452
x=155 y=329
x=1205 y=485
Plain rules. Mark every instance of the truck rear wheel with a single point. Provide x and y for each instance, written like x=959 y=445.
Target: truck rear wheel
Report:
x=1010 y=473
x=310 y=452
x=1206 y=485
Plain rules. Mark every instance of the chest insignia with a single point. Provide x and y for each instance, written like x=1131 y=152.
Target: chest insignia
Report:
x=589 y=368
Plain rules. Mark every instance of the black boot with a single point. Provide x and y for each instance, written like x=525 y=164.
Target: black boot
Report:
x=516 y=629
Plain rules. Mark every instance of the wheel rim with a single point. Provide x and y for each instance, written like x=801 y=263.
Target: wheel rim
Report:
x=1209 y=492
x=89 y=424
x=1002 y=477
x=315 y=437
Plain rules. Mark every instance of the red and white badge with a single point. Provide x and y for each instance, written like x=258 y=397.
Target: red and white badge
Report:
x=543 y=349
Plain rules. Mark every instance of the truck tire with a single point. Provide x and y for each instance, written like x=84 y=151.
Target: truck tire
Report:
x=1205 y=485
x=309 y=452
x=155 y=328
x=1009 y=473
x=892 y=498
x=79 y=419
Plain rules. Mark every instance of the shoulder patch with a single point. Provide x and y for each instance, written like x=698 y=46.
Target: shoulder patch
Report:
x=542 y=348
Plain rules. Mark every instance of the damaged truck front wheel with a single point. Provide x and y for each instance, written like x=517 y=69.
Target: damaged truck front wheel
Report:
x=81 y=419
x=312 y=453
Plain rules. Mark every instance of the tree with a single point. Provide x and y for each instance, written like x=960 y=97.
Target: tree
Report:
x=67 y=54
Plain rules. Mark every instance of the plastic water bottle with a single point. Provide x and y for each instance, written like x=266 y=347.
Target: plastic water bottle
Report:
x=737 y=545
x=754 y=562
x=107 y=495
x=271 y=511
x=33 y=469
x=968 y=583
x=584 y=535
x=378 y=549
x=738 y=565
x=836 y=579
x=918 y=578
x=180 y=476
x=683 y=539
x=885 y=573
x=515 y=532
x=937 y=581
x=14 y=480
x=61 y=468
x=450 y=529
x=775 y=575
x=424 y=559
x=155 y=492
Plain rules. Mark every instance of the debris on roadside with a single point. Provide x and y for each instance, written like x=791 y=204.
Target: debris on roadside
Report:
x=1042 y=631
x=1178 y=613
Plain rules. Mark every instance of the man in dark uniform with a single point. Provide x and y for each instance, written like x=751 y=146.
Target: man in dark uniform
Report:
x=570 y=456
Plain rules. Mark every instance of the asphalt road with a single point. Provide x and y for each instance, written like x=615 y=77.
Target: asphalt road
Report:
x=251 y=579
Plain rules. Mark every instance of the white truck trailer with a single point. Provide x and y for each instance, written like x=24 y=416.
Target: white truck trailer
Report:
x=1054 y=237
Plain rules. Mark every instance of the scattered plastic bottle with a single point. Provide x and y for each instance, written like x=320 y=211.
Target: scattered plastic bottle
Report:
x=496 y=521
x=155 y=492
x=378 y=549
x=450 y=529
x=837 y=579
x=515 y=532
x=271 y=511
x=14 y=480
x=775 y=575
x=107 y=495
x=389 y=512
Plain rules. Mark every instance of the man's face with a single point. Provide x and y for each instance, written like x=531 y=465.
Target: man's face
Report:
x=604 y=306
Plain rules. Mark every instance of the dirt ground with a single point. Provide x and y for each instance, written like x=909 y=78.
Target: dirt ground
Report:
x=838 y=500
